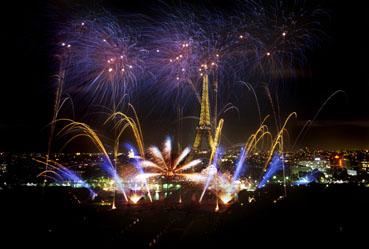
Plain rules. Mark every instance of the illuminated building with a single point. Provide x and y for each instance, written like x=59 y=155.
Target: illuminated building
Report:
x=203 y=138
x=337 y=160
x=365 y=165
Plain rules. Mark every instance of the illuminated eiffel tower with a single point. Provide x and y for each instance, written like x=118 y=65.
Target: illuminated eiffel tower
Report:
x=203 y=138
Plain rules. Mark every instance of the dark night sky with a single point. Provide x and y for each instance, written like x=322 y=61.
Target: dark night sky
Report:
x=341 y=62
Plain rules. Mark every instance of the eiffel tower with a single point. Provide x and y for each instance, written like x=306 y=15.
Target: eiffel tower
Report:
x=203 y=138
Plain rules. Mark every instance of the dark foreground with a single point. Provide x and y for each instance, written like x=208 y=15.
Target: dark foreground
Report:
x=309 y=216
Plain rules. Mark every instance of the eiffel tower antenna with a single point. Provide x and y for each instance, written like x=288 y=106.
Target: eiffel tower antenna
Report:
x=203 y=137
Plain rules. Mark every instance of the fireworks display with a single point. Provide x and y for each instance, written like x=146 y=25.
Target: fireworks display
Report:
x=105 y=56
x=110 y=60
x=184 y=123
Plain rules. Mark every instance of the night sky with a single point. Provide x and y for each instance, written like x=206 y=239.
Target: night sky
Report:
x=340 y=62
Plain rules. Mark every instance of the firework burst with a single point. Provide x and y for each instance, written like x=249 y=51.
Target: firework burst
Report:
x=185 y=45
x=103 y=57
x=283 y=32
x=163 y=163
